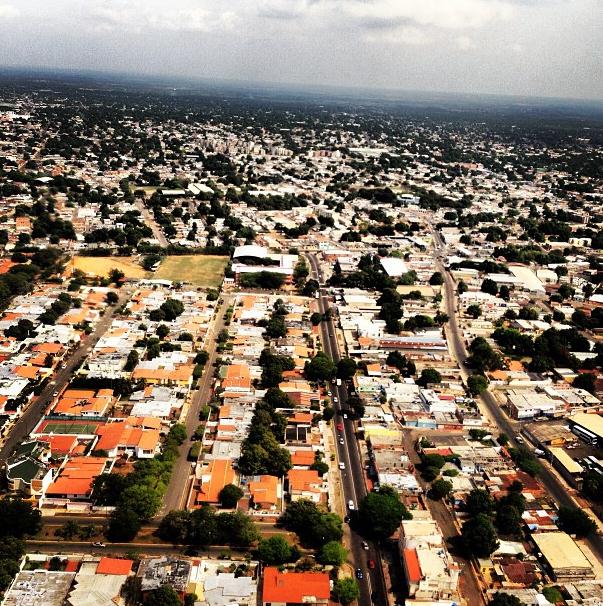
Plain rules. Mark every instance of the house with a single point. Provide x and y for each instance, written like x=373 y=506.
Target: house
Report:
x=264 y=492
x=27 y=469
x=136 y=436
x=217 y=474
x=74 y=482
x=84 y=403
x=293 y=588
x=154 y=572
x=306 y=484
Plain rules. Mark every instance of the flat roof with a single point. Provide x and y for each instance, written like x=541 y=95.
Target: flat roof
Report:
x=592 y=422
x=561 y=551
x=565 y=460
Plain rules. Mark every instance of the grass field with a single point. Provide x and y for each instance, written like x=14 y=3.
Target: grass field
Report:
x=206 y=271
x=202 y=270
x=101 y=266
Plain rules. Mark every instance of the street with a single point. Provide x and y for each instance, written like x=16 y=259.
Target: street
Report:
x=373 y=587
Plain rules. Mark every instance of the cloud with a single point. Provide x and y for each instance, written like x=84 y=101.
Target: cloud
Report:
x=465 y=43
x=8 y=11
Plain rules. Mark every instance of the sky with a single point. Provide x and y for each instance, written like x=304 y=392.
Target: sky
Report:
x=551 y=48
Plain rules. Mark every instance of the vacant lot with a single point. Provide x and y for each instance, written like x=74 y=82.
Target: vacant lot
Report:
x=206 y=271
x=101 y=266
x=201 y=270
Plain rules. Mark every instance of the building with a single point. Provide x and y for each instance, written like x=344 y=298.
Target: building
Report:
x=588 y=427
x=27 y=469
x=563 y=557
x=154 y=572
x=39 y=588
x=293 y=588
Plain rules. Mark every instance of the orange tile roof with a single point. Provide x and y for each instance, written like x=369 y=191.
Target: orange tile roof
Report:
x=78 y=406
x=237 y=371
x=304 y=480
x=221 y=473
x=121 y=433
x=77 y=476
x=302 y=457
x=412 y=565
x=27 y=372
x=114 y=566
x=294 y=587
x=264 y=490
x=48 y=348
x=240 y=382
x=60 y=444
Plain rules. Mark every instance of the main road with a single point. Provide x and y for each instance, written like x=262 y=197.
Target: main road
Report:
x=553 y=484
x=373 y=588
x=35 y=411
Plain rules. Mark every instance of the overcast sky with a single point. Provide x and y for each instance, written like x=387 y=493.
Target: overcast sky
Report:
x=531 y=47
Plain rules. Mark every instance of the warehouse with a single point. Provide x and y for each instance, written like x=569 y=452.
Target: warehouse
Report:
x=564 y=558
x=588 y=427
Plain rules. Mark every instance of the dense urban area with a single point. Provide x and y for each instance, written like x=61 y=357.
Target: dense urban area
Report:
x=273 y=349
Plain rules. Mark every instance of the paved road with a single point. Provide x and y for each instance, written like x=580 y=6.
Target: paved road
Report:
x=554 y=486
x=373 y=587
x=35 y=411
x=150 y=221
x=181 y=478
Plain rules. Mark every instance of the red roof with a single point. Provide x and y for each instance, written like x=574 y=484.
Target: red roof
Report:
x=114 y=566
x=295 y=587
x=412 y=565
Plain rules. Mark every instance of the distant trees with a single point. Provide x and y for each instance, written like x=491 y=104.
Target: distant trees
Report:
x=429 y=376
x=436 y=279
x=482 y=357
x=475 y=311
x=346 y=368
x=406 y=367
x=489 y=286
x=263 y=279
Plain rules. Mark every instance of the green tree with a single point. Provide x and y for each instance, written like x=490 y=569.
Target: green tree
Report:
x=162 y=331
x=164 y=595
x=19 y=518
x=436 y=279
x=333 y=553
x=479 y=537
x=275 y=550
x=508 y=520
x=587 y=381
x=440 y=489
x=229 y=496
x=479 y=501
x=576 y=521
x=489 y=286
x=433 y=460
x=320 y=368
x=143 y=500
x=124 y=525
x=236 y=529
x=462 y=287
x=346 y=368
x=505 y=599
x=174 y=527
x=316 y=318
x=346 y=590
x=380 y=514
x=313 y=526
x=429 y=376
x=477 y=384
x=475 y=311
x=112 y=298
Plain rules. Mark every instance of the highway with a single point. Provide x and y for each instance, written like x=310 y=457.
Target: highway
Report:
x=553 y=484
x=36 y=409
x=373 y=587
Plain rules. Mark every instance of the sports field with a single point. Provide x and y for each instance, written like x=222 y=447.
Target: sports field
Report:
x=201 y=270
x=206 y=271
x=101 y=266
x=68 y=427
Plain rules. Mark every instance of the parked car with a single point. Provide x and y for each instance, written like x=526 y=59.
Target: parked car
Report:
x=351 y=505
x=364 y=545
x=341 y=465
x=339 y=426
x=359 y=573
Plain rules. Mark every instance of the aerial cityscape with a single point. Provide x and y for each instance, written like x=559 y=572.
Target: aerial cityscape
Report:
x=275 y=342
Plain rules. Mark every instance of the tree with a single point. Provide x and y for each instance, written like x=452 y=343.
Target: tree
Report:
x=174 y=527
x=275 y=550
x=479 y=501
x=124 y=525
x=440 y=489
x=313 y=526
x=162 y=331
x=587 y=381
x=576 y=521
x=433 y=460
x=505 y=599
x=229 y=496
x=429 y=376
x=172 y=309
x=320 y=368
x=462 y=287
x=333 y=553
x=479 y=537
x=592 y=485
x=477 y=384
x=346 y=591
x=19 y=518
x=489 y=286
x=131 y=361
x=164 y=595
x=143 y=500
x=508 y=519
x=436 y=279
x=316 y=318
x=236 y=529
x=475 y=311
x=504 y=292
x=380 y=514
x=346 y=368
x=112 y=298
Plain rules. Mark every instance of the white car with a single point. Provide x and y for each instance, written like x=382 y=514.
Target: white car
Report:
x=351 y=505
x=342 y=465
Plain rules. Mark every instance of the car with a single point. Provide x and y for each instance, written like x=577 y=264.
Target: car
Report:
x=364 y=545
x=351 y=505
x=359 y=573
x=335 y=400
x=519 y=439
x=345 y=415
x=341 y=465
x=339 y=426
x=341 y=440
x=98 y=544
x=55 y=394
x=371 y=564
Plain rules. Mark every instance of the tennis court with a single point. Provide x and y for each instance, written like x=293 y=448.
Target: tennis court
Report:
x=68 y=427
